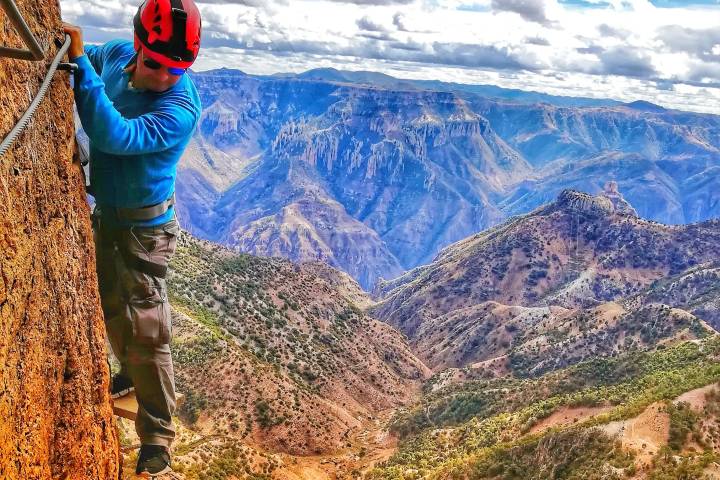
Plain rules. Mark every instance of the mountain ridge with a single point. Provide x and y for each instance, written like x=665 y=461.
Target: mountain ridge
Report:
x=565 y=263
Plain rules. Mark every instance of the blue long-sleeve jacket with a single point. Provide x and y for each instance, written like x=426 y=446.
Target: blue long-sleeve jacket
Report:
x=136 y=136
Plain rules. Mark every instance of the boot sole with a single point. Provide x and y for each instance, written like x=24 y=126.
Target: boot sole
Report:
x=149 y=475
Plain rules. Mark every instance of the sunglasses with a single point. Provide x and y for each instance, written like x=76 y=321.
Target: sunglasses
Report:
x=154 y=65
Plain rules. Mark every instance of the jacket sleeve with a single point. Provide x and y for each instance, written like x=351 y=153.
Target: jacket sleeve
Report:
x=112 y=133
x=95 y=55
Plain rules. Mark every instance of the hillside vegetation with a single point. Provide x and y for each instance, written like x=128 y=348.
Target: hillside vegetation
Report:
x=269 y=352
x=483 y=429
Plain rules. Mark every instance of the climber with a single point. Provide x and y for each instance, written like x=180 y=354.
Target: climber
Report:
x=139 y=109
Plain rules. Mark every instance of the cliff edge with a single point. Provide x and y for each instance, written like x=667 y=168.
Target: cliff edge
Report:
x=55 y=414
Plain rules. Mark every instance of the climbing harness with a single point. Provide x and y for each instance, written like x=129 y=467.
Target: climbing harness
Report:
x=34 y=53
x=145 y=213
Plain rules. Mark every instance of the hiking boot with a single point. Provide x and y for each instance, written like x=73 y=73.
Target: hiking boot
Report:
x=153 y=460
x=120 y=386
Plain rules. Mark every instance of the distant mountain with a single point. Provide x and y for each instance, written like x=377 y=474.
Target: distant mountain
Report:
x=360 y=77
x=646 y=106
x=514 y=95
x=488 y=91
x=375 y=177
x=369 y=181
x=556 y=286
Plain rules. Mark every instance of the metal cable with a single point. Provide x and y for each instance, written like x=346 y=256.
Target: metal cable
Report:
x=36 y=101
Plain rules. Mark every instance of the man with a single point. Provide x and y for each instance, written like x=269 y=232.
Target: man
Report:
x=139 y=109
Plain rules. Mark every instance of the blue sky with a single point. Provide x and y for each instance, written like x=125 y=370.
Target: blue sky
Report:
x=683 y=3
x=657 y=3
x=664 y=51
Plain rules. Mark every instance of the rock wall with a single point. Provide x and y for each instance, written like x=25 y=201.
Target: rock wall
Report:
x=55 y=414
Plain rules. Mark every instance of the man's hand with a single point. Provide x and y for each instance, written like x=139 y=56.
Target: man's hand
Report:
x=76 y=42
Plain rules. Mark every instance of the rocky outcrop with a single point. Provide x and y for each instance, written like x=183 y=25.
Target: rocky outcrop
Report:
x=55 y=415
x=579 y=202
x=608 y=202
x=620 y=205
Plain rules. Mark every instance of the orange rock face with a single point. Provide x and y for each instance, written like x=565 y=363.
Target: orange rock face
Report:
x=55 y=415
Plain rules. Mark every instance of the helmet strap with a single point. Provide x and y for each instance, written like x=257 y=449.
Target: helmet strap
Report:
x=178 y=41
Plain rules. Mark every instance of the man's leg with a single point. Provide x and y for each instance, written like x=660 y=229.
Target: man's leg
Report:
x=151 y=370
x=117 y=324
x=149 y=363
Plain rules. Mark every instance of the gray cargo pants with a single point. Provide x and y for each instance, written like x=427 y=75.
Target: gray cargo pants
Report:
x=137 y=318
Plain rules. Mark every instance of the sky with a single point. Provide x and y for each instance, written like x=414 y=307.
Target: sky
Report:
x=663 y=51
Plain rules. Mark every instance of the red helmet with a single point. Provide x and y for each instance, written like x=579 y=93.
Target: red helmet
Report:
x=168 y=31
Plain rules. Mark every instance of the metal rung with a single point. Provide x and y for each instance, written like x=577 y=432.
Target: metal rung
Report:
x=5 y=144
x=127 y=406
x=35 y=52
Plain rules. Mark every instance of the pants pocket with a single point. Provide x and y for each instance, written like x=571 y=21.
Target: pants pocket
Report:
x=150 y=316
x=157 y=241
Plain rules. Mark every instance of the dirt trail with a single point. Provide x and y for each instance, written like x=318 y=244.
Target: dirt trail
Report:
x=650 y=430
x=499 y=366
x=713 y=471
x=369 y=445
x=567 y=416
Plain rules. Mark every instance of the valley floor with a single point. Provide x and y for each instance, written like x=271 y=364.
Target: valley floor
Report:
x=369 y=445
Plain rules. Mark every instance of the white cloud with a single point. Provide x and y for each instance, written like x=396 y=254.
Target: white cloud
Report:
x=628 y=50
x=530 y=10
